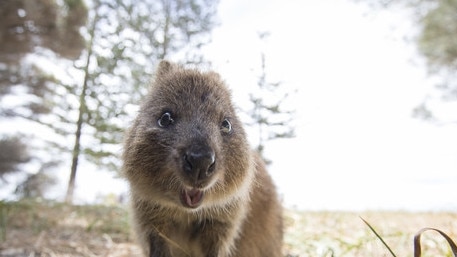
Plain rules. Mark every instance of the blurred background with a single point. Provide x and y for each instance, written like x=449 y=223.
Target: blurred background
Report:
x=351 y=102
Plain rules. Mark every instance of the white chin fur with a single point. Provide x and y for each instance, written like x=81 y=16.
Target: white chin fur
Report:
x=242 y=191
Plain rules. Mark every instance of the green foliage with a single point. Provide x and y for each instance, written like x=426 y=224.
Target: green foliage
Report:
x=126 y=39
x=438 y=38
x=35 y=34
x=89 y=67
x=436 y=41
x=3 y=221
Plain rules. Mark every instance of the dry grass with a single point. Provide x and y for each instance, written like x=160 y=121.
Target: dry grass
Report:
x=344 y=234
x=53 y=229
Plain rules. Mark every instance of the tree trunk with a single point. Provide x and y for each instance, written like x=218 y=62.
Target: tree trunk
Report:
x=79 y=124
x=82 y=111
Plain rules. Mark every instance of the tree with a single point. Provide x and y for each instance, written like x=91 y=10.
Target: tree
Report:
x=125 y=40
x=31 y=32
x=93 y=80
x=35 y=185
x=27 y=26
x=13 y=152
x=271 y=121
x=437 y=42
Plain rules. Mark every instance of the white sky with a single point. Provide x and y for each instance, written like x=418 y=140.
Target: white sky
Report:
x=357 y=145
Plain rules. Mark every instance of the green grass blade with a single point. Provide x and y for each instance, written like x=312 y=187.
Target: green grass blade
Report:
x=378 y=236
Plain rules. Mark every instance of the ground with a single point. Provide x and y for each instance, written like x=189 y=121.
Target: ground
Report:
x=31 y=228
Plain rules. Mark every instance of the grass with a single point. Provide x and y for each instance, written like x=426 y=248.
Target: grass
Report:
x=344 y=234
x=378 y=236
x=417 y=240
x=30 y=228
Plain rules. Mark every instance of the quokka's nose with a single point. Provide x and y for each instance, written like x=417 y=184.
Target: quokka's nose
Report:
x=199 y=162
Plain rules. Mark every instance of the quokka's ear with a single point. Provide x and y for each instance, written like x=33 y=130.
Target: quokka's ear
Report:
x=165 y=67
x=215 y=75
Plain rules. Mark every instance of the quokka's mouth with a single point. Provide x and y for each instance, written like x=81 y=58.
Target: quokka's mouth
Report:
x=191 y=198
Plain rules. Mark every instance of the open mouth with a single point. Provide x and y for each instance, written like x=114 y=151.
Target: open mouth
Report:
x=191 y=198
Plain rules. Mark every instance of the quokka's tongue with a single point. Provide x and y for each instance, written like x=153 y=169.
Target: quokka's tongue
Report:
x=191 y=198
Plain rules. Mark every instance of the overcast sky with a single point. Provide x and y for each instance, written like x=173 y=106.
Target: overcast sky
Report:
x=358 y=79
x=357 y=82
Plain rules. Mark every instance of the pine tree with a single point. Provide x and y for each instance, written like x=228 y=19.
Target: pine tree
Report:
x=92 y=80
x=436 y=41
x=125 y=41
x=34 y=34
x=268 y=116
x=38 y=29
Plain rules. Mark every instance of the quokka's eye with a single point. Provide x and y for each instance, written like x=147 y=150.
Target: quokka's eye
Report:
x=165 y=120
x=226 y=126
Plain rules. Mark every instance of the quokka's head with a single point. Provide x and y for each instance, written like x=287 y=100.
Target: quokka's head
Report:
x=187 y=147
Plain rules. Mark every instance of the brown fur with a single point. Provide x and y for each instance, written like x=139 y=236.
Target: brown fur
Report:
x=197 y=189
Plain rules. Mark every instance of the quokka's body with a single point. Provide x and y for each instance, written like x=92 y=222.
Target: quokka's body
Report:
x=197 y=189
